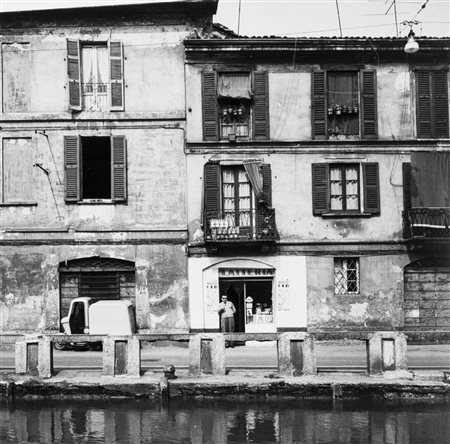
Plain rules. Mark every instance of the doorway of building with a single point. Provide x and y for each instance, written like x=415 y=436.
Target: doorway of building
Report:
x=253 y=301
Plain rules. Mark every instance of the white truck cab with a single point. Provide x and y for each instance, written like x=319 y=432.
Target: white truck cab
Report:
x=104 y=317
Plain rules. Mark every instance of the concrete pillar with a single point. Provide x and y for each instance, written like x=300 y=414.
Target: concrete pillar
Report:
x=296 y=355
x=386 y=351
x=207 y=354
x=34 y=356
x=121 y=356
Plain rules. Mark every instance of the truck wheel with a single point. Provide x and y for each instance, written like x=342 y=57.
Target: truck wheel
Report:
x=59 y=345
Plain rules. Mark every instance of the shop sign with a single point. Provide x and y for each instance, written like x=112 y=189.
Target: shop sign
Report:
x=246 y=272
x=283 y=297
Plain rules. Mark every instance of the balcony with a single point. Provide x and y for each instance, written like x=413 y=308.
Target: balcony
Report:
x=426 y=223
x=256 y=226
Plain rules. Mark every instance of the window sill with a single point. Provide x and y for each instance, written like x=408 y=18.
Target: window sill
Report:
x=18 y=204
x=344 y=214
x=96 y=202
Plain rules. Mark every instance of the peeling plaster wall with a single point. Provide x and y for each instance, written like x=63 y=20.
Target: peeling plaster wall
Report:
x=29 y=297
x=292 y=197
x=379 y=304
x=290 y=101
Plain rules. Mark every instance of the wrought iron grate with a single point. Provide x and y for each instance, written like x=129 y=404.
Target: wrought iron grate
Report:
x=346 y=276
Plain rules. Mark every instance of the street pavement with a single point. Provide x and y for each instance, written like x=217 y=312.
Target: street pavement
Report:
x=251 y=356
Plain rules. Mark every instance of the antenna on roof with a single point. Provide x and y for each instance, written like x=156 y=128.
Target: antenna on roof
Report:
x=394 y=4
x=339 y=16
x=239 y=17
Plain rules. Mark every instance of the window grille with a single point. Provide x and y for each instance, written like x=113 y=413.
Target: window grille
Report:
x=346 y=276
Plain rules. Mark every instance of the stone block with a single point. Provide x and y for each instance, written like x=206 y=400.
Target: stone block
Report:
x=411 y=305
x=34 y=356
x=296 y=355
x=442 y=286
x=207 y=354
x=386 y=351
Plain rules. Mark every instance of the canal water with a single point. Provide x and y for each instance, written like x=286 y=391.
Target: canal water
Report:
x=225 y=421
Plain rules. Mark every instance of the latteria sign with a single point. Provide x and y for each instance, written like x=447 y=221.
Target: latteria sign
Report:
x=246 y=272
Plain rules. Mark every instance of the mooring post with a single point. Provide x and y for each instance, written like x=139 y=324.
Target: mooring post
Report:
x=296 y=354
x=121 y=356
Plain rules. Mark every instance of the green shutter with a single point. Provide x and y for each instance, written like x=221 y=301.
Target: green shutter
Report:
x=260 y=106
x=320 y=188
x=319 y=105
x=72 y=168
x=440 y=104
x=211 y=184
x=74 y=74
x=424 y=120
x=369 y=104
x=116 y=75
x=210 y=108
x=406 y=169
x=371 y=188
x=119 y=169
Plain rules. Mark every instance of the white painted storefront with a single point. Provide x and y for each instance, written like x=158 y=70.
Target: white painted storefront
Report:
x=269 y=292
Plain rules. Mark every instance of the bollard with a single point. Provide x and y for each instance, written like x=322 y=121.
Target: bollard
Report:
x=121 y=356
x=386 y=351
x=296 y=355
x=207 y=354
x=34 y=356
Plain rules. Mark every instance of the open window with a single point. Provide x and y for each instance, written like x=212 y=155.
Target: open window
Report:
x=344 y=104
x=235 y=106
x=345 y=189
x=95 y=71
x=95 y=169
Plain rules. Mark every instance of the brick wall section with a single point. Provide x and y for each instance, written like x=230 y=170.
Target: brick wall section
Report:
x=427 y=300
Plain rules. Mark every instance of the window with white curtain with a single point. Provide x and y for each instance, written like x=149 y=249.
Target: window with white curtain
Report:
x=346 y=275
x=237 y=197
x=344 y=187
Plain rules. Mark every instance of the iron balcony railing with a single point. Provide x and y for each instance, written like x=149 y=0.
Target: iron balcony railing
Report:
x=430 y=223
x=248 y=226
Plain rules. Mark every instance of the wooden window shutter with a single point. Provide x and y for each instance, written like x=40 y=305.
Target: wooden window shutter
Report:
x=211 y=193
x=119 y=169
x=320 y=188
x=371 y=188
x=267 y=182
x=369 y=104
x=210 y=108
x=72 y=168
x=319 y=105
x=440 y=104
x=424 y=126
x=74 y=74
x=260 y=105
x=406 y=169
x=116 y=75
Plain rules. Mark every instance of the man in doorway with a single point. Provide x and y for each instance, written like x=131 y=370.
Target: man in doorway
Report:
x=226 y=311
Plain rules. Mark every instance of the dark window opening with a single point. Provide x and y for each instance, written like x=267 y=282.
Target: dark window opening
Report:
x=96 y=167
x=99 y=285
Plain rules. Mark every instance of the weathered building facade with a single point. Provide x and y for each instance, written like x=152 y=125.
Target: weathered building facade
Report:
x=93 y=166
x=299 y=159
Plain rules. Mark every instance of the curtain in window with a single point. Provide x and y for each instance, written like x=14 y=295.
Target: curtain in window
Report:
x=95 y=68
x=343 y=99
x=235 y=86
x=253 y=170
x=244 y=199
x=336 y=189
x=351 y=186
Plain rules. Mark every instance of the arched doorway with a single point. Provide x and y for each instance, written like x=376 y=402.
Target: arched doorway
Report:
x=98 y=278
x=427 y=294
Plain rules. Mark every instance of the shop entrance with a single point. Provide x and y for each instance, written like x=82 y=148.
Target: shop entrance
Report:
x=253 y=301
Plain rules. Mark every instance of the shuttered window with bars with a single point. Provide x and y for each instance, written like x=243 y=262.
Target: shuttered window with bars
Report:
x=337 y=189
x=344 y=104
x=95 y=76
x=432 y=104
x=235 y=106
x=95 y=169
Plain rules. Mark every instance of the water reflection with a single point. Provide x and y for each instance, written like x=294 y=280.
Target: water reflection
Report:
x=194 y=421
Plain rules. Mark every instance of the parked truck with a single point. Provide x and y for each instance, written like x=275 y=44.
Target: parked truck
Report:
x=89 y=316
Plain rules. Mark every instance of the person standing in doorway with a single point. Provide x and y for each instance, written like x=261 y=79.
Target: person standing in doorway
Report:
x=226 y=311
